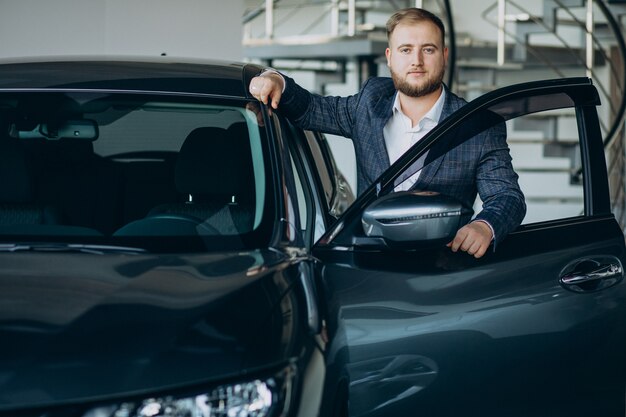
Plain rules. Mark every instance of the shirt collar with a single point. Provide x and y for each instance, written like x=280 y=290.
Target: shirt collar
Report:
x=434 y=114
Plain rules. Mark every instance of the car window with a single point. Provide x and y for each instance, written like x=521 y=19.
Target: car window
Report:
x=546 y=155
x=324 y=168
x=132 y=169
x=542 y=135
x=337 y=190
x=308 y=179
x=301 y=200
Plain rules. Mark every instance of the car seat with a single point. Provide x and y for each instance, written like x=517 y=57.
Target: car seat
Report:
x=83 y=186
x=17 y=197
x=215 y=174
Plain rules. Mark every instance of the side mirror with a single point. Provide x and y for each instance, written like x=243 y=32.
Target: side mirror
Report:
x=412 y=216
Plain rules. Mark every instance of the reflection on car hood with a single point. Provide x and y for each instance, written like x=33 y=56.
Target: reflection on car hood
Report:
x=76 y=326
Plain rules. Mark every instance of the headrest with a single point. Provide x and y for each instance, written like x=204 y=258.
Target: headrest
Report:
x=212 y=162
x=239 y=131
x=15 y=179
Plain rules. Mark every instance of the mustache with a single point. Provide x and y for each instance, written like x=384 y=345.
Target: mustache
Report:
x=428 y=85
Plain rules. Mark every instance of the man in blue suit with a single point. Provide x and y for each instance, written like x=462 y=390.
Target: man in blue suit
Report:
x=389 y=115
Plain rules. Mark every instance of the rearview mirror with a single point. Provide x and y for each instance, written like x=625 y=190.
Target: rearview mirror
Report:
x=410 y=216
x=66 y=129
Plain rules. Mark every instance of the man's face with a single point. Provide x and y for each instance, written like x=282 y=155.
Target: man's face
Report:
x=416 y=58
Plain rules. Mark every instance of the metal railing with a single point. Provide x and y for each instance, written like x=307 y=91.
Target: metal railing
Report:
x=331 y=13
x=593 y=44
x=613 y=128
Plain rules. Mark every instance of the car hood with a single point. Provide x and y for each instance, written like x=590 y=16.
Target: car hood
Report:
x=87 y=326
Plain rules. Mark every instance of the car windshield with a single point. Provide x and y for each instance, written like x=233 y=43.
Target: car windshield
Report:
x=155 y=172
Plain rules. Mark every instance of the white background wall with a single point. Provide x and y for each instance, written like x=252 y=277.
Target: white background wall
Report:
x=195 y=28
x=191 y=28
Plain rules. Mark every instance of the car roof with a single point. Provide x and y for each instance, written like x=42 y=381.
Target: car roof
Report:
x=155 y=74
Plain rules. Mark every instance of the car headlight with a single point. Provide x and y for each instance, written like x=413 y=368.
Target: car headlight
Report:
x=255 y=398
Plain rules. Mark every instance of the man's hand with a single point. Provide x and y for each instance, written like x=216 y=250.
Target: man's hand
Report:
x=473 y=238
x=267 y=88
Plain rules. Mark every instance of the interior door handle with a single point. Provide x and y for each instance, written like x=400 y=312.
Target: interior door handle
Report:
x=592 y=275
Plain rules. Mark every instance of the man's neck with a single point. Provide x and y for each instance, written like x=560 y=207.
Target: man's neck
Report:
x=416 y=107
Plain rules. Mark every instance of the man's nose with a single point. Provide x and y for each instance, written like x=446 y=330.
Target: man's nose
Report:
x=417 y=58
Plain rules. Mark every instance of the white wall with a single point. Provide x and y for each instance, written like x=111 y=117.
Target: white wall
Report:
x=191 y=28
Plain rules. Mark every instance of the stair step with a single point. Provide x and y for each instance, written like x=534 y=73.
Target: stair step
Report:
x=552 y=7
x=318 y=47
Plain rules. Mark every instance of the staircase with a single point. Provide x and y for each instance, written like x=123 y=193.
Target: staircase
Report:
x=514 y=42
x=558 y=38
x=330 y=38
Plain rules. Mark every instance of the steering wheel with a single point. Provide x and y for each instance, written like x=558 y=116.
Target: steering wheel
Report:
x=167 y=224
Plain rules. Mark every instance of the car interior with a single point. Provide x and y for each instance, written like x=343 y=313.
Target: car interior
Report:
x=125 y=166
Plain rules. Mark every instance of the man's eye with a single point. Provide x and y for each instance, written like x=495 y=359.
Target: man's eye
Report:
x=405 y=50
x=429 y=50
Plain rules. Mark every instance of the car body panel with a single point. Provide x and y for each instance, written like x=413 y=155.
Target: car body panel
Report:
x=163 y=74
x=141 y=323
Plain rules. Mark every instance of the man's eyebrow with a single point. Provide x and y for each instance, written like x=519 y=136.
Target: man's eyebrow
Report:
x=424 y=45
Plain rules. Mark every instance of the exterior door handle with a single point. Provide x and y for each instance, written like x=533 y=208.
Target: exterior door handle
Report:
x=591 y=275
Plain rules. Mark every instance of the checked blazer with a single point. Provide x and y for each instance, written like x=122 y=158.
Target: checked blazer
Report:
x=480 y=165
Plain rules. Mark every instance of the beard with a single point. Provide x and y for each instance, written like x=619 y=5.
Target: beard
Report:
x=430 y=85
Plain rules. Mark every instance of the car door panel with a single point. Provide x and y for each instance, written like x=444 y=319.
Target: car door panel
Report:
x=535 y=327
x=493 y=328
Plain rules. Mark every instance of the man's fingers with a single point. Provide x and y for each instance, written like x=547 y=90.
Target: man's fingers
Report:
x=267 y=89
x=254 y=87
x=477 y=249
x=268 y=94
x=480 y=252
x=471 y=238
x=257 y=89
x=276 y=99
x=458 y=240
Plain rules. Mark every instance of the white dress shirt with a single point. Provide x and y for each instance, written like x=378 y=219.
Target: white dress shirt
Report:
x=400 y=134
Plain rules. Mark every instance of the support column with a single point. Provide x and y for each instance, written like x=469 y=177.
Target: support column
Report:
x=366 y=68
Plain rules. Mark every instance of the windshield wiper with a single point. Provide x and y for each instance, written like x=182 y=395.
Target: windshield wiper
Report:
x=68 y=247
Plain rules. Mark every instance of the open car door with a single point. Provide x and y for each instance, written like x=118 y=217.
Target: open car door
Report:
x=535 y=327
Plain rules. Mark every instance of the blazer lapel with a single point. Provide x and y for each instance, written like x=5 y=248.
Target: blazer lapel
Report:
x=451 y=105
x=376 y=152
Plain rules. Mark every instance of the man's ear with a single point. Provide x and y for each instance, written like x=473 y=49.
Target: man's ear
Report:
x=388 y=55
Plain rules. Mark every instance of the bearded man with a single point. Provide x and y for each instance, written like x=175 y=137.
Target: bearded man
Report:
x=389 y=115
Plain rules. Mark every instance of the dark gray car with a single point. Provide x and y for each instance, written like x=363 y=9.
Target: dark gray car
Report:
x=168 y=247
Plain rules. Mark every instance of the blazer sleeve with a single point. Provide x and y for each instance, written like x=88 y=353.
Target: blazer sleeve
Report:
x=333 y=115
x=504 y=206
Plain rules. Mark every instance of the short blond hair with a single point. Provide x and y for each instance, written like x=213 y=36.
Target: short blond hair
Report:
x=414 y=15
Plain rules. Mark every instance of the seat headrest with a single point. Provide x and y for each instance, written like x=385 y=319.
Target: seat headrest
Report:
x=15 y=179
x=214 y=162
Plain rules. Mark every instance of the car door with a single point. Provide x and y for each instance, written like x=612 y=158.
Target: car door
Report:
x=535 y=327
